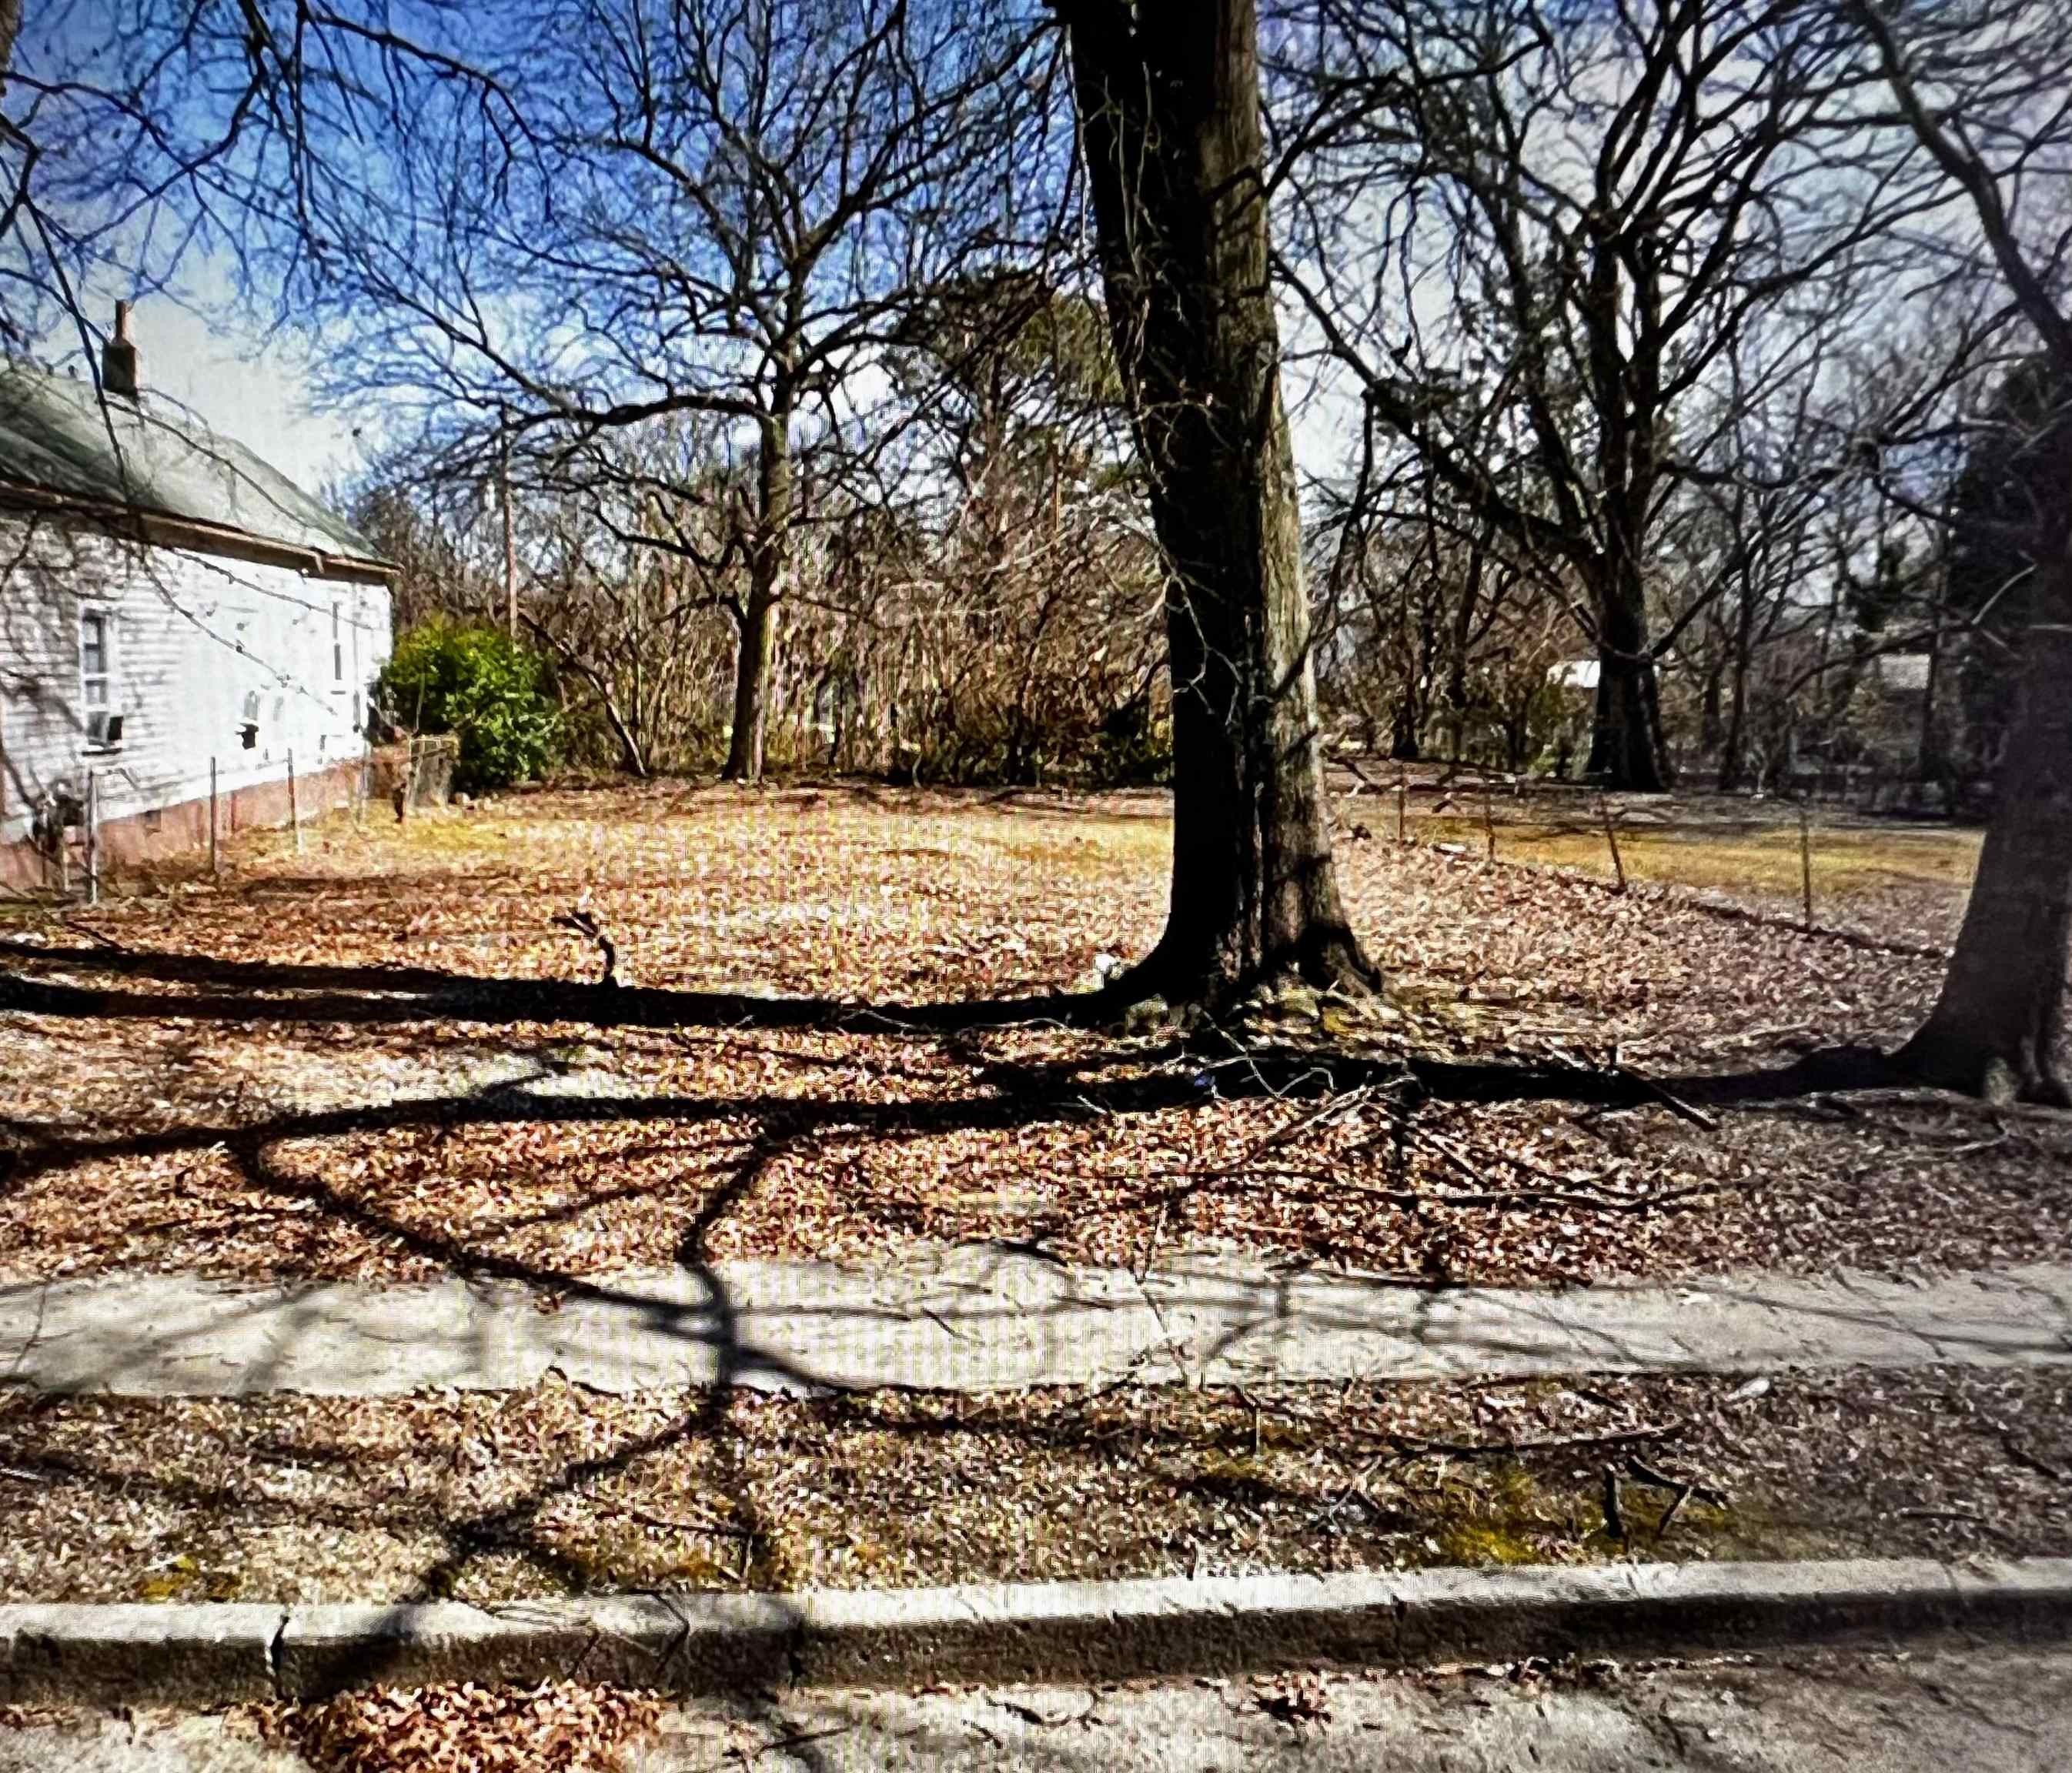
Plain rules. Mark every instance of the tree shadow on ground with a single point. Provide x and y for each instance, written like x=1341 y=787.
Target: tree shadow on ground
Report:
x=265 y=991
x=1134 y=1077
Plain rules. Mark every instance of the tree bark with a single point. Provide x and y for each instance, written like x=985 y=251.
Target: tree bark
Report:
x=1169 y=111
x=756 y=623
x=1733 y=748
x=1626 y=747
x=755 y=654
x=1999 y=1029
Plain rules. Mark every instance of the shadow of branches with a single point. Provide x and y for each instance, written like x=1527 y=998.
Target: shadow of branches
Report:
x=1124 y=1078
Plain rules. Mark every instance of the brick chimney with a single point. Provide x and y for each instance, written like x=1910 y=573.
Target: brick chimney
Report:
x=118 y=357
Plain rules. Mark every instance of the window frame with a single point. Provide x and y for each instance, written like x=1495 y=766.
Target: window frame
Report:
x=108 y=677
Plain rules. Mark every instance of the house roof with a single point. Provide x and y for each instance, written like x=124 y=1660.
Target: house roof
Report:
x=148 y=458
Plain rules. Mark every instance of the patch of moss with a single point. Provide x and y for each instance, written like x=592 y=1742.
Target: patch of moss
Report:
x=1501 y=1514
x=1485 y=1542
x=185 y=1579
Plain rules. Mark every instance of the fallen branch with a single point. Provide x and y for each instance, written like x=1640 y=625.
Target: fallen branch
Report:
x=2029 y=1461
x=1674 y=1103
x=1586 y=1199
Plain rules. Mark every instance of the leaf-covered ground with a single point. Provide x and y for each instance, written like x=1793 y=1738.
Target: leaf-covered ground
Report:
x=310 y=1068
x=557 y=1490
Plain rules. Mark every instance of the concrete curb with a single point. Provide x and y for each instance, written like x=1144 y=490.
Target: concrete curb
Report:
x=208 y=1655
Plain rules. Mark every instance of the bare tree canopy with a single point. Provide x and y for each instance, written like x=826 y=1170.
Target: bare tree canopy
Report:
x=1532 y=235
x=1985 y=90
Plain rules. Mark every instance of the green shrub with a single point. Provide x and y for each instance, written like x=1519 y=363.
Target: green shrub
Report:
x=483 y=687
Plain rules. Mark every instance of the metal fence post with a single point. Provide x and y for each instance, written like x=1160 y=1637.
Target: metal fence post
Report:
x=1806 y=863
x=1611 y=837
x=215 y=858
x=93 y=837
x=294 y=805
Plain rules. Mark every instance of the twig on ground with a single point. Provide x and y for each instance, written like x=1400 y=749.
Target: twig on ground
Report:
x=677 y=1523
x=583 y=924
x=1337 y=1106
x=1557 y=1443
x=1588 y=1199
x=1674 y=1103
x=2027 y=1460
x=1151 y=1243
x=1648 y=1474
x=1669 y=1514
x=101 y=937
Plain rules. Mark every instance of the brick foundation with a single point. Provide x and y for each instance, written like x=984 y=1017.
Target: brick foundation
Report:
x=183 y=829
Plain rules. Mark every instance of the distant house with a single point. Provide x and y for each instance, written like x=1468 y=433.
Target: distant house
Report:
x=166 y=600
x=1903 y=674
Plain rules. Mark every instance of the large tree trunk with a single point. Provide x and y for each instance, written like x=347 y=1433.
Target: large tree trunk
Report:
x=755 y=655
x=1999 y=1029
x=1170 y=117
x=1626 y=747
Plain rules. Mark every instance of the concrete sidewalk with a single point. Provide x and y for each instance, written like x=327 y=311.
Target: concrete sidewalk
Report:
x=980 y=1318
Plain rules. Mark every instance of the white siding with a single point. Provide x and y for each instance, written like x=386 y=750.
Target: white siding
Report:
x=198 y=638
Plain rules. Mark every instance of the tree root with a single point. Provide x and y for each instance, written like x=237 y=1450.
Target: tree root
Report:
x=1967 y=1068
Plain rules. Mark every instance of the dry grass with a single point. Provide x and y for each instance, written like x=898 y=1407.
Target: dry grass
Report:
x=557 y=1490
x=1759 y=862
x=325 y=1125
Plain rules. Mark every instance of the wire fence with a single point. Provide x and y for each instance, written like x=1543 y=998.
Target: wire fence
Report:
x=1822 y=865
x=77 y=847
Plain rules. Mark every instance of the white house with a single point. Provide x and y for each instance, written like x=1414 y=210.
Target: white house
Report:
x=168 y=602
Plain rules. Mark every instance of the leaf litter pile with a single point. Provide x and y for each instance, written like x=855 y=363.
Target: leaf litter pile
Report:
x=488 y=1497
x=388 y=1058
x=558 y=1727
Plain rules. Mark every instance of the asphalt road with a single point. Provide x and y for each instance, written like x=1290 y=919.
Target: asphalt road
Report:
x=1983 y=1710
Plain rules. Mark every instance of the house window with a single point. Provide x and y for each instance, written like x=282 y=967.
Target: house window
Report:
x=337 y=648
x=96 y=678
x=94 y=656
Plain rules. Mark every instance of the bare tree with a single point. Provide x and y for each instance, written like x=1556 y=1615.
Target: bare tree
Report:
x=1168 y=108
x=1529 y=233
x=725 y=208
x=1436 y=623
x=1985 y=88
